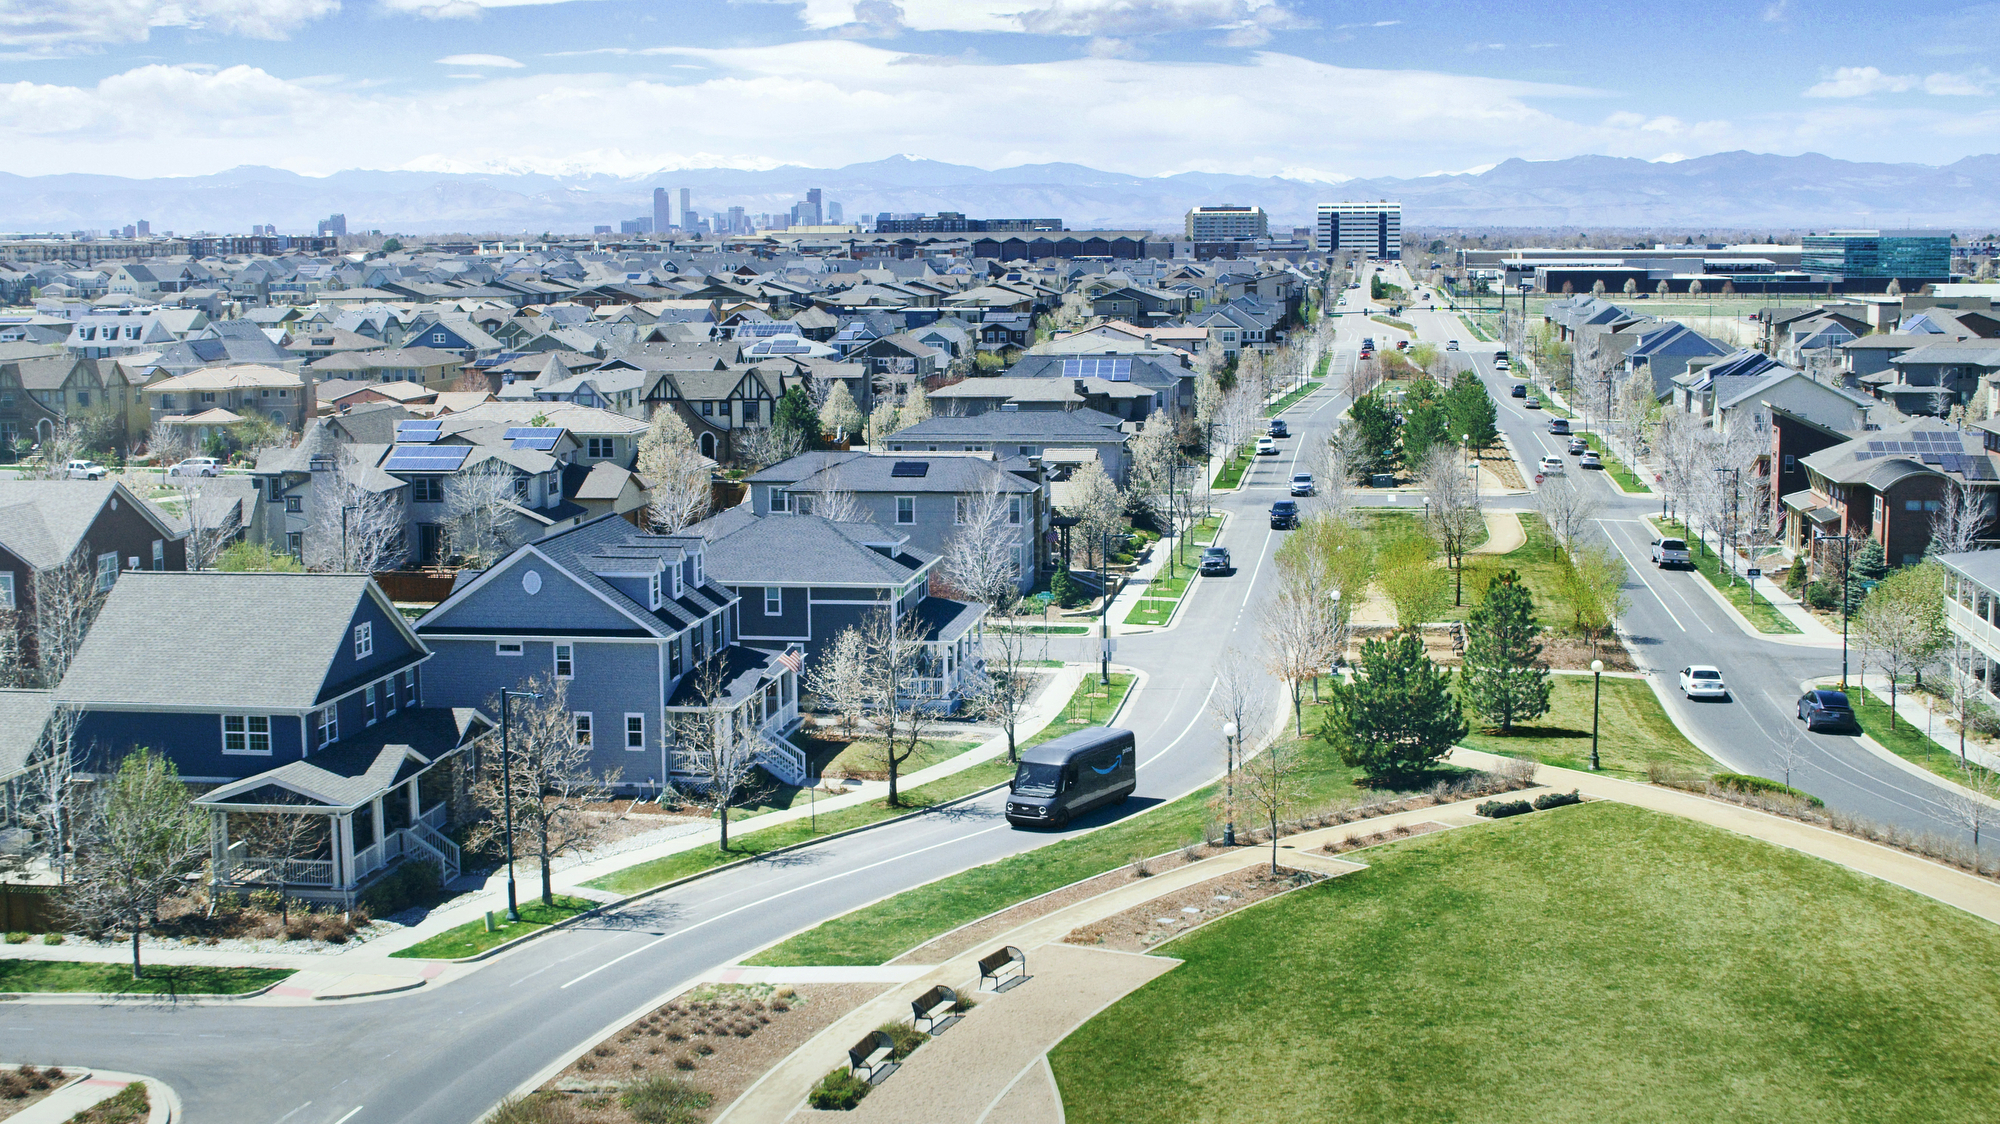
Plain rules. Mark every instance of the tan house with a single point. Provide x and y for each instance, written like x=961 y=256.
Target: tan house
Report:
x=279 y=395
x=436 y=370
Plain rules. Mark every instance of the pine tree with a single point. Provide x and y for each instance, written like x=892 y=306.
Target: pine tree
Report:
x=795 y=414
x=1502 y=679
x=1471 y=410
x=1397 y=717
x=1375 y=435
x=1425 y=422
x=1870 y=563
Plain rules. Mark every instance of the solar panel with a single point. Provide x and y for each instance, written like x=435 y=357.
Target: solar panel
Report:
x=1979 y=468
x=427 y=458
x=910 y=468
x=418 y=432
x=533 y=432
x=540 y=444
x=1951 y=462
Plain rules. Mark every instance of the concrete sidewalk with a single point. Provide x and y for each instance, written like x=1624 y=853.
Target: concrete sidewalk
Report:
x=92 y=1089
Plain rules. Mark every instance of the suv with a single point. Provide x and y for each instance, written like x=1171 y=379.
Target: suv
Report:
x=1284 y=515
x=1215 y=560
x=1671 y=552
x=1302 y=484
x=1278 y=428
x=1559 y=426
x=1578 y=446
x=1827 y=708
x=1520 y=390
x=83 y=470
x=1266 y=447
x=197 y=466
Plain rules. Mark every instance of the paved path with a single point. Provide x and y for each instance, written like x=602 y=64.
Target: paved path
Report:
x=97 y=1086
x=1504 y=533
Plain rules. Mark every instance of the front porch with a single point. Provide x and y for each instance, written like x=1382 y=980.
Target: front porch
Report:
x=758 y=697
x=953 y=650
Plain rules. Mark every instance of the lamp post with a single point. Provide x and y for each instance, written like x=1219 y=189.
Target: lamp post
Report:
x=1596 y=693
x=507 y=696
x=1844 y=539
x=1104 y=611
x=1229 y=794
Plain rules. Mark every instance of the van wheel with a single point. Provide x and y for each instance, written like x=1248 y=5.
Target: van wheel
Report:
x=1060 y=821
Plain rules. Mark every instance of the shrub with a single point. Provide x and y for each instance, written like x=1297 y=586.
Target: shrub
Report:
x=413 y=883
x=1557 y=800
x=52 y=938
x=539 y=1108
x=1823 y=595
x=1501 y=809
x=907 y=1037
x=17 y=938
x=665 y=1100
x=1670 y=775
x=838 y=1090
x=1744 y=783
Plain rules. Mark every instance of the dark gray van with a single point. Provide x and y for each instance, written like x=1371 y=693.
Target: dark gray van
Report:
x=1063 y=778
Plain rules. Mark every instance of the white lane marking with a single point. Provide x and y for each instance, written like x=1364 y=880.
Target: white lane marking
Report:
x=1189 y=728
x=1637 y=573
x=350 y=1115
x=905 y=856
x=294 y=1112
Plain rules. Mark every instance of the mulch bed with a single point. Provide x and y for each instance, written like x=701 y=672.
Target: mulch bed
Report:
x=1143 y=926
x=1500 y=463
x=719 y=1038
x=27 y=1085
x=1357 y=839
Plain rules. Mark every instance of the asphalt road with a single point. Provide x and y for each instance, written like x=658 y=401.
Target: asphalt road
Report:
x=447 y=1054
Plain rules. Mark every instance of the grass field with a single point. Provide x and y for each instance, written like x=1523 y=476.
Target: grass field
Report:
x=116 y=978
x=1594 y=963
x=1535 y=560
x=1091 y=704
x=862 y=756
x=1618 y=469
x=1910 y=742
x=1761 y=614
x=471 y=938
x=1632 y=730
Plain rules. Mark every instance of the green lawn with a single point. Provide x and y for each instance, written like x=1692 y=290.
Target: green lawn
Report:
x=1618 y=469
x=1233 y=470
x=116 y=978
x=1597 y=963
x=879 y=933
x=1910 y=742
x=1632 y=730
x=860 y=757
x=1285 y=403
x=1761 y=614
x=1151 y=613
x=1046 y=629
x=1402 y=325
x=1091 y=704
x=1534 y=560
x=471 y=938
x=1472 y=326
x=1204 y=530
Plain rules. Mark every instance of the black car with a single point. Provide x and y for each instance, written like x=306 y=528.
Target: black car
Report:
x=1827 y=709
x=1520 y=390
x=1278 y=428
x=1215 y=560
x=1284 y=515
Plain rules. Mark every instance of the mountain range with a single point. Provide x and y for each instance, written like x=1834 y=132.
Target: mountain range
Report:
x=1730 y=190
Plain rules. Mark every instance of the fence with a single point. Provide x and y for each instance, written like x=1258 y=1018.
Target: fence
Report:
x=28 y=909
x=424 y=586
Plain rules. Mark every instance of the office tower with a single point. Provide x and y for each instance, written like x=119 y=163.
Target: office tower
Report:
x=1226 y=222
x=1373 y=230
x=833 y=213
x=689 y=221
x=814 y=214
x=662 y=209
x=145 y=229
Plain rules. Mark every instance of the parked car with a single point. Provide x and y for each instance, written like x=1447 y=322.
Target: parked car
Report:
x=1551 y=466
x=83 y=470
x=1278 y=428
x=1578 y=446
x=1671 y=552
x=1533 y=403
x=1559 y=426
x=197 y=466
x=1590 y=460
x=1827 y=709
x=1284 y=515
x=1215 y=560
x=1520 y=390
x=1302 y=484
x=1266 y=447
x=1702 y=681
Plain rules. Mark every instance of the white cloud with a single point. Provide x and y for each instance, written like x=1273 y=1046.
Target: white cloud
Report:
x=1860 y=81
x=456 y=9
x=67 y=26
x=1959 y=85
x=480 y=60
x=1247 y=20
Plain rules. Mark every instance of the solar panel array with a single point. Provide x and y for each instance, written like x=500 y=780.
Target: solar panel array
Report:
x=782 y=347
x=418 y=432
x=910 y=468
x=426 y=458
x=539 y=437
x=1942 y=449
x=1111 y=370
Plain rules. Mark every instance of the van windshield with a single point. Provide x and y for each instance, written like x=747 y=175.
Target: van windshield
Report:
x=1037 y=780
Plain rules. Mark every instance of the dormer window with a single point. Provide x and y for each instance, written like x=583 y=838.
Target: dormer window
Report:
x=653 y=592
x=697 y=570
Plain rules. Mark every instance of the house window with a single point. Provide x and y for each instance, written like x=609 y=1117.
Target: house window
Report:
x=368 y=704
x=583 y=729
x=427 y=489
x=7 y=590
x=295 y=504
x=1913 y=505
x=410 y=688
x=774 y=600
x=83 y=398
x=107 y=571
x=653 y=591
x=159 y=554
x=565 y=661
x=635 y=731
x=389 y=696
x=364 y=640
x=1014 y=510
x=708 y=409
x=506 y=647
x=327 y=726
x=437 y=337
x=906 y=509
x=777 y=498
x=600 y=447
x=750 y=411
x=248 y=734
x=675 y=657
x=1789 y=460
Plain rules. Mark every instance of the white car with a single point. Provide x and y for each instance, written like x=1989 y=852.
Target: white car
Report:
x=83 y=470
x=1700 y=681
x=1551 y=466
x=1266 y=447
x=197 y=466
x=1451 y=345
x=1302 y=484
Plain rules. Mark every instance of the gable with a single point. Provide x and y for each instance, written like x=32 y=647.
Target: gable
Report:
x=497 y=603
x=391 y=647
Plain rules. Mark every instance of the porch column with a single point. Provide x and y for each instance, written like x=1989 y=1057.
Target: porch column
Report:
x=381 y=826
x=415 y=802
x=343 y=850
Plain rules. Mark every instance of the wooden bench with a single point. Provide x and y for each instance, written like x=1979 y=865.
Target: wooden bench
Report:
x=932 y=1011
x=872 y=1058
x=1001 y=961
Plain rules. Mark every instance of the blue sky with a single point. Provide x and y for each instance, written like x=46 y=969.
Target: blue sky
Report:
x=1313 y=89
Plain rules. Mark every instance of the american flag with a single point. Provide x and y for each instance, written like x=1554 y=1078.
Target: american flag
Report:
x=791 y=658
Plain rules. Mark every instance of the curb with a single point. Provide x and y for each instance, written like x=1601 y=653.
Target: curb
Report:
x=43 y=997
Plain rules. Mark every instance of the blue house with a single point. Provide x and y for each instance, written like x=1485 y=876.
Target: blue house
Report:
x=282 y=694
x=627 y=621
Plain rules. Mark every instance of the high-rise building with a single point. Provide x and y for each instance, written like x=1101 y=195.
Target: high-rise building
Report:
x=833 y=213
x=333 y=225
x=641 y=225
x=145 y=229
x=1227 y=222
x=663 y=209
x=813 y=201
x=737 y=223
x=689 y=220
x=1372 y=230
x=1854 y=254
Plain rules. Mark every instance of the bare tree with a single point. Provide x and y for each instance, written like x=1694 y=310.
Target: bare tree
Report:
x=1272 y=783
x=548 y=769
x=676 y=474
x=838 y=413
x=1099 y=508
x=168 y=444
x=204 y=539
x=356 y=528
x=1973 y=807
x=1155 y=464
x=831 y=499
x=136 y=846
x=883 y=422
x=1456 y=516
x=1963 y=516
x=479 y=505
x=1568 y=508
x=839 y=679
x=714 y=746
x=982 y=560
x=283 y=838
x=1331 y=465
x=1298 y=627
x=766 y=445
x=1678 y=446
x=66 y=441
x=1235 y=697
x=56 y=790
x=901 y=677
x=67 y=598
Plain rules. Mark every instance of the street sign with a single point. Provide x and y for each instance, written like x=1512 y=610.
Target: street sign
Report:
x=1753 y=573
x=1538 y=477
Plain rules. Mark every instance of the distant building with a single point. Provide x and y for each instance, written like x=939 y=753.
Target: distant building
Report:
x=954 y=222
x=1372 y=230
x=145 y=229
x=833 y=215
x=688 y=218
x=600 y=230
x=1906 y=255
x=1227 y=222
x=333 y=226
x=640 y=225
x=663 y=210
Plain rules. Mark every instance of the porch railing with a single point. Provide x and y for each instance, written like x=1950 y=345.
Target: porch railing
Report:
x=783 y=759
x=289 y=872
x=439 y=848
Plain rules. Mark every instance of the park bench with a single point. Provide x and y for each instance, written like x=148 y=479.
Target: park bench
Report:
x=1007 y=959
x=932 y=1012
x=872 y=1058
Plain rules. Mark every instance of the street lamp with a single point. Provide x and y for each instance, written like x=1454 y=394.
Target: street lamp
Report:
x=1104 y=611
x=1596 y=693
x=507 y=795
x=1845 y=540
x=1229 y=796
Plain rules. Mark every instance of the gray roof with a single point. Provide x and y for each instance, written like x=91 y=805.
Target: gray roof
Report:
x=959 y=474
x=224 y=640
x=1880 y=458
x=1034 y=426
x=745 y=670
x=746 y=549
x=23 y=716
x=1728 y=393
x=1982 y=566
x=357 y=769
x=44 y=521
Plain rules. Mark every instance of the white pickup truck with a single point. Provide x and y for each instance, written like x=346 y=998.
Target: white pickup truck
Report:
x=83 y=470
x=1671 y=552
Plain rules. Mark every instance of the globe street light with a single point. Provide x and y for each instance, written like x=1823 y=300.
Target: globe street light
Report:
x=1229 y=796
x=1596 y=693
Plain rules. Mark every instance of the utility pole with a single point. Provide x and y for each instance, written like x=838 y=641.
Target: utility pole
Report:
x=1104 y=612
x=1735 y=486
x=1844 y=539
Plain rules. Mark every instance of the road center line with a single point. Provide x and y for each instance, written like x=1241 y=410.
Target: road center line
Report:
x=1637 y=573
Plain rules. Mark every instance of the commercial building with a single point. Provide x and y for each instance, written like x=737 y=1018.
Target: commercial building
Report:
x=1227 y=222
x=663 y=210
x=953 y=222
x=1373 y=230
x=1921 y=256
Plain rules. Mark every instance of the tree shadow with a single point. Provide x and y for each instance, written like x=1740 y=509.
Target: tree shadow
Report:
x=1520 y=731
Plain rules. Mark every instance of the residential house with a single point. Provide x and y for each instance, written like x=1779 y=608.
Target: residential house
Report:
x=1937 y=376
x=223 y=396
x=226 y=343
x=1888 y=484
x=1972 y=619
x=1167 y=385
x=642 y=636
x=47 y=524
x=1021 y=433
x=1794 y=437
x=427 y=367
x=1663 y=353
